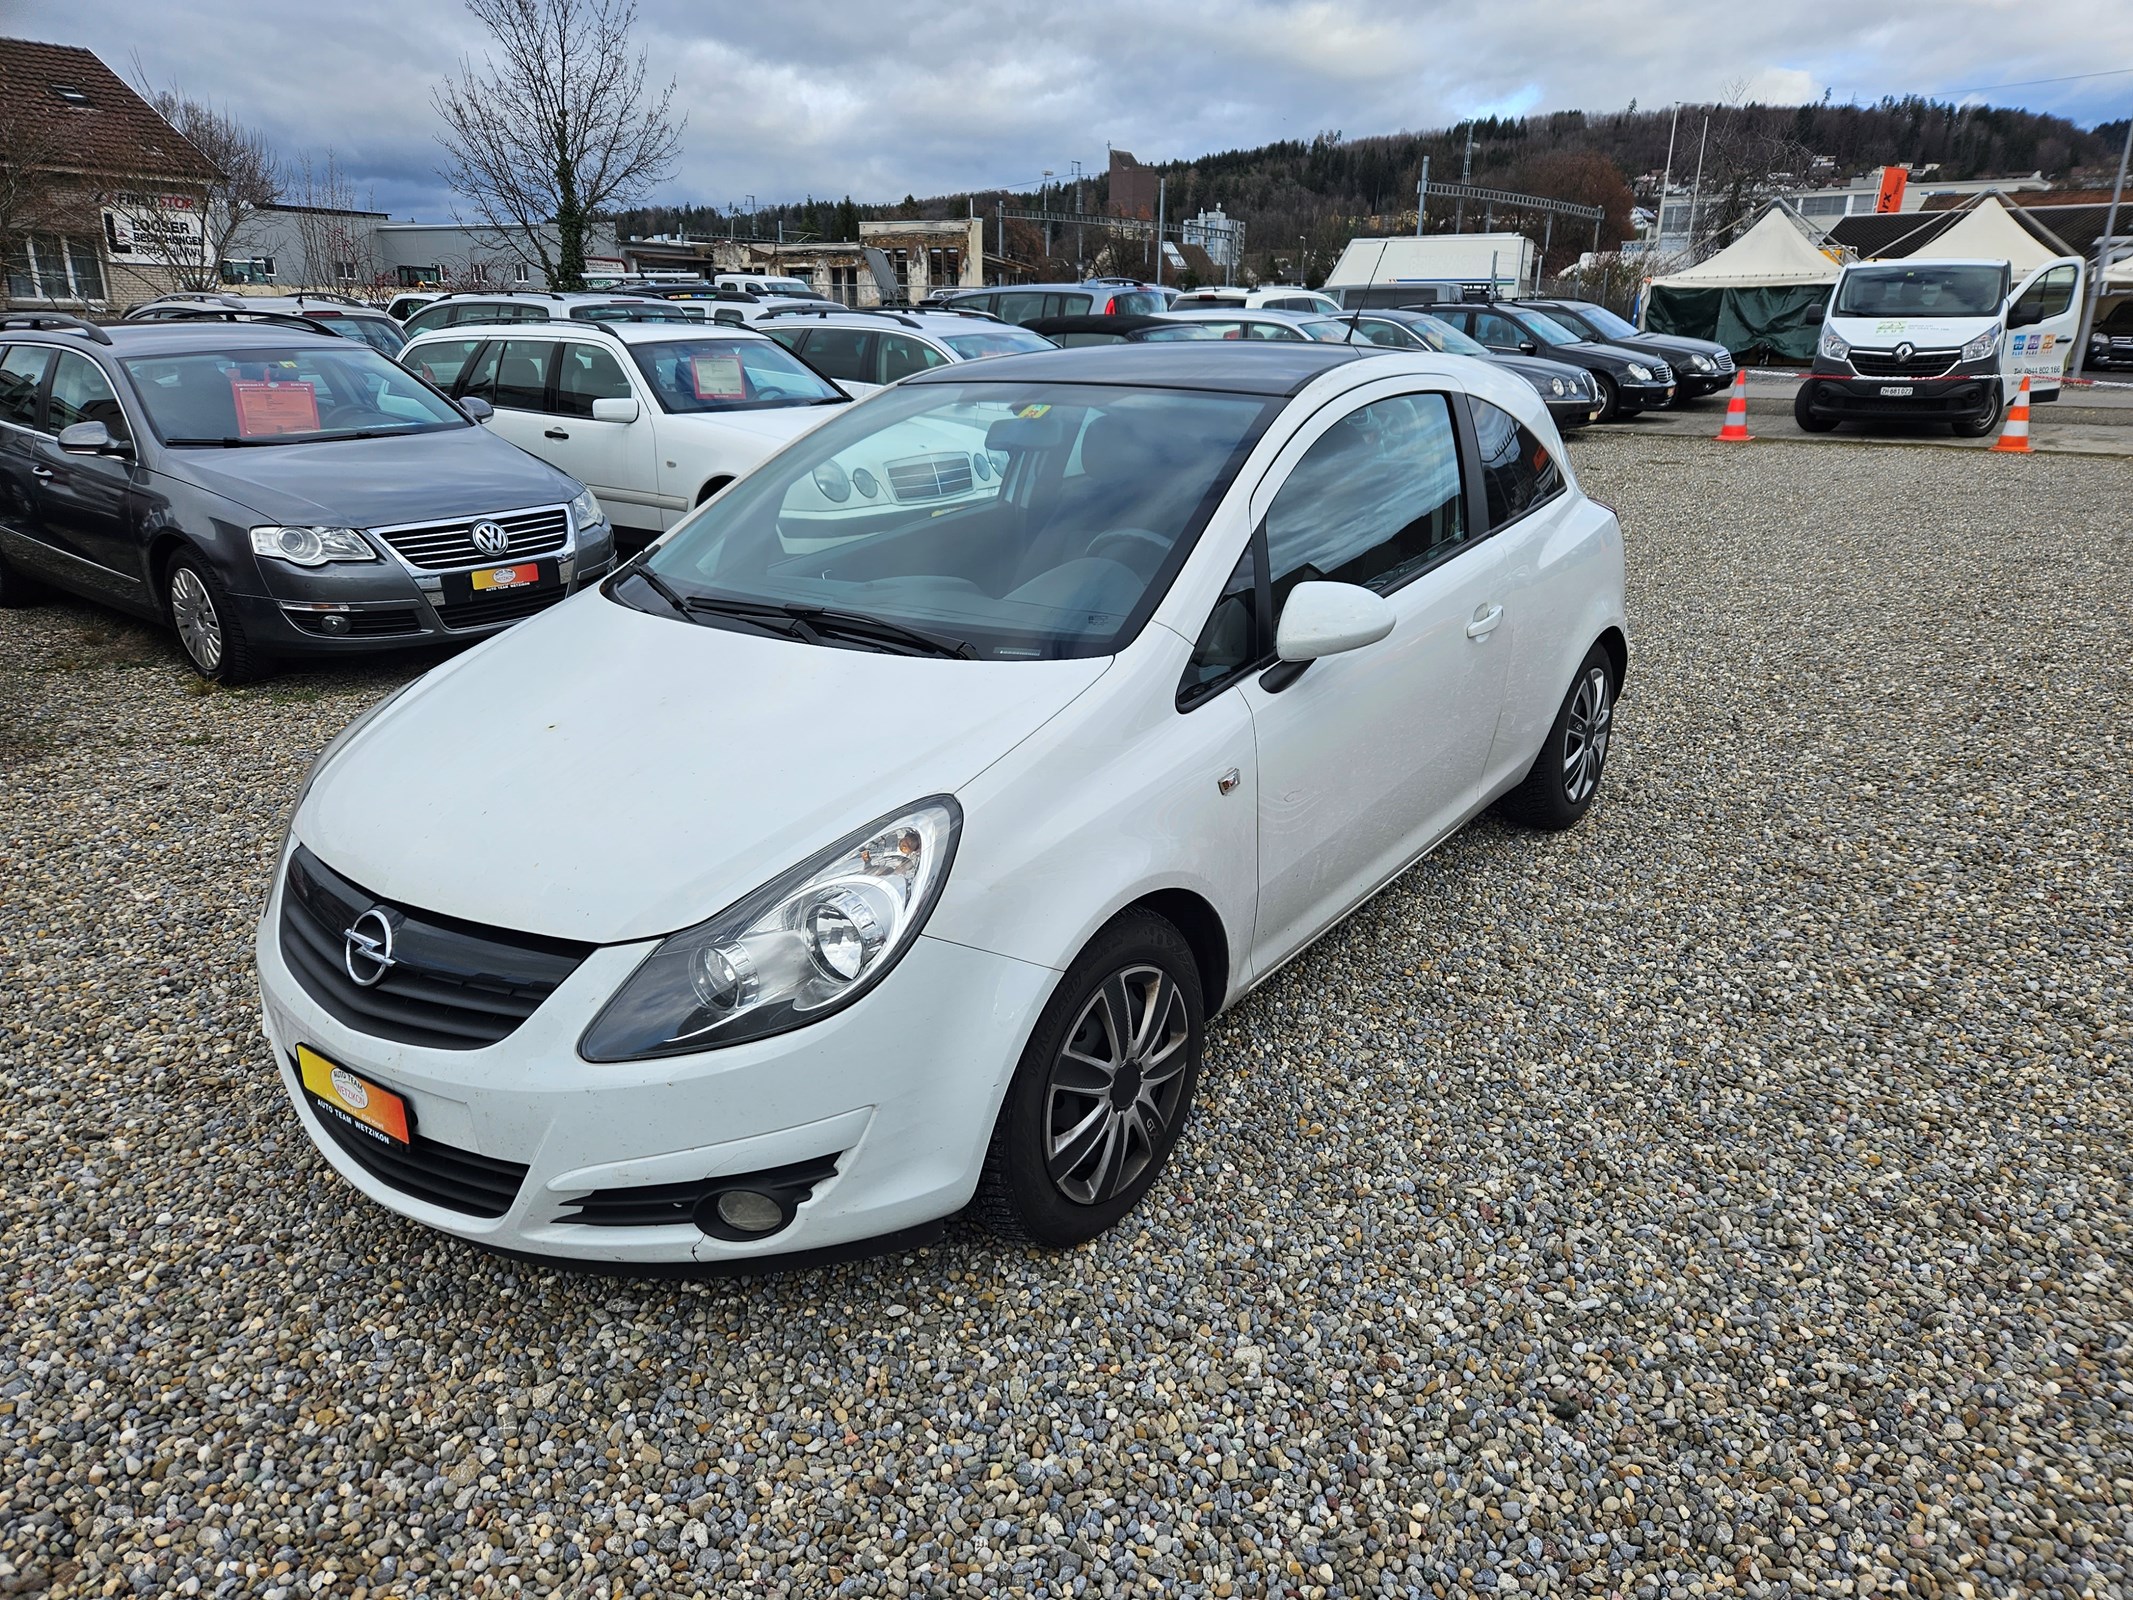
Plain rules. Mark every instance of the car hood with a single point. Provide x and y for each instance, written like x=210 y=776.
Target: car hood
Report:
x=1675 y=343
x=776 y=426
x=603 y=774
x=1537 y=370
x=1591 y=352
x=375 y=483
x=1928 y=333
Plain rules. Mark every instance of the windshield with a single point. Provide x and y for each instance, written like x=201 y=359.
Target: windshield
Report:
x=1328 y=330
x=1929 y=289
x=1138 y=302
x=995 y=342
x=325 y=389
x=714 y=374
x=1548 y=330
x=381 y=335
x=1016 y=521
x=1603 y=322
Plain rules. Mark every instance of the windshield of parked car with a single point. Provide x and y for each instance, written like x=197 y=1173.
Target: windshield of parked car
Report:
x=382 y=336
x=1930 y=289
x=1547 y=330
x=1005 y=521
x=714 y=374
x=1327 y=330
x=1603 y=322
x=995 y=342
x=324 y=389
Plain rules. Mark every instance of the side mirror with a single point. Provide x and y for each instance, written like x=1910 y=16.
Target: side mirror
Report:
x=1815 y=313
x=622 y=408
x=2026 y=313
x=477 y=409
x=91 y=439
x=1528 y=347
x=1329 y=619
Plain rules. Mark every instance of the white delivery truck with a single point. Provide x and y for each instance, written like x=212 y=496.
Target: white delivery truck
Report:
x=1420 y=269
x=1920 y=340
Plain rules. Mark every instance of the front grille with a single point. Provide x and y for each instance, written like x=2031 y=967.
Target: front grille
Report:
x=452 y=985
x=442 y=1174
x=361 y=624
x=1883 y=363
x=1723 y=360
x=930 y=477
x=509 y=605
x=667 y=1205
x=1661 y=372
x=438 y=545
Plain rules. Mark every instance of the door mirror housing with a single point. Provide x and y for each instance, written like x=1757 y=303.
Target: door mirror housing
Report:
x=477 y=409
x=2026 y=312
x=91 y=439
x=620 y=408
x=1529 y=347
x=1330 y=619
x=1815 y=314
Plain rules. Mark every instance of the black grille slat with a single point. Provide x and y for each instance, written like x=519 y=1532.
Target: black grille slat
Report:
x=510 y=606
x=442 y=1174
x=453 y=986
x=1883 y=363
x=666 y=1205
x=451 y=544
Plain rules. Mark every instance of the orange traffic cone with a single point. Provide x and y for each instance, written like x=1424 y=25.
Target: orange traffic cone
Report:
x=2014 y=438
x=1736 y=429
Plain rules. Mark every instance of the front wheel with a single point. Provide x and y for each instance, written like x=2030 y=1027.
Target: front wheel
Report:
x=1102 y=1089
x=1566 y=774
x=1804 y=414
x=209 y=629
x=1987 y=420
x=1610 y=396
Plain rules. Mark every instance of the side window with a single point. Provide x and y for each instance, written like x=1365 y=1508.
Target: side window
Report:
x=1019 y=307
x=522 y=375
x=1068 y=305
x=518 y=313
x=1518 y=472
x=1277 y=331
x=840 y=353
x=794 y=339
x=442 y=363
x=2049 y=296
x=1375 y=500
x=21 y=375
x=480 y=381
x=585 y=373
x=901 y=355
x=81 y=393
x=1230 y=641
x=1389 y=333
x=1498 y=333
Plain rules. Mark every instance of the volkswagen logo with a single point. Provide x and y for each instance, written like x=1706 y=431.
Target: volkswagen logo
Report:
x=367 y=948
x=1904 y=352
x=492 y=538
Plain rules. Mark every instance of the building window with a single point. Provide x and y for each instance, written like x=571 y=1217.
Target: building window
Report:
x=344 y=272
x=523 y=273
x=52 y=267
x=248 y=269
x=903 y=274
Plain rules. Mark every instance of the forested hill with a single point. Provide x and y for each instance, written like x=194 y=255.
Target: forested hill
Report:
x=1314 y=195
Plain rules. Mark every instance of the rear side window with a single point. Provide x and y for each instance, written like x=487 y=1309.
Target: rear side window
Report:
x=1499 y=333
x=1374 y=501
x=21 y=375
x=840 y=353
x=1518 y=472
x=442 y=363
x=437 y=316
x=1068 y=305
x=1021 y=307
x=522 y=375
x=81 y=393
x=901 y=355
x=585 y=373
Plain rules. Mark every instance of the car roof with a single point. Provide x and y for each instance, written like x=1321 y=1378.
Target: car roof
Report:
x=925 y=321
x=1123 y=322
x=1235 y=366
x=175 y=338
x=1224 y=313
x=647 y=332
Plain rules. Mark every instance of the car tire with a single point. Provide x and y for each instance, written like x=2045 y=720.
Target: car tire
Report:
x=1805 y=415
x=1986 y=421
x=209 y=630
x=17 y=590
x=1610 y=397
x=1565 y=776
x=1130 y=1003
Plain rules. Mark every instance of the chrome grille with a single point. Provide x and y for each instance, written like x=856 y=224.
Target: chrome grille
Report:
x=930 y=477
x=438 y=545
x=1661 y=372
x=1723 y=360
x=1883 y=363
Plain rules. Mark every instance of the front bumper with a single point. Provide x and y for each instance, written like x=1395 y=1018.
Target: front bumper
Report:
x=900 y=1089
x=1640 y=396
x=1854 y=398
x=1572 y=413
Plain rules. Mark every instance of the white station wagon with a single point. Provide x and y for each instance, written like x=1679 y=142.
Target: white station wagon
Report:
x=788 y=895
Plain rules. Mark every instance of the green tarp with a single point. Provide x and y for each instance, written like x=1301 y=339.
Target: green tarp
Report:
x=1773 y=319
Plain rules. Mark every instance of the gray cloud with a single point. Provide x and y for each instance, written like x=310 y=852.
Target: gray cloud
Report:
x=813 y=97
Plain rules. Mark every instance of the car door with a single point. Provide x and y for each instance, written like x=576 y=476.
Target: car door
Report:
x=441 y=362
x=88 y=504
x=1368 y=758
x=22 y=373
x=898 y=355
x=2043 y=320
x=1499 y=332
x=512 y=375
x=613 y=459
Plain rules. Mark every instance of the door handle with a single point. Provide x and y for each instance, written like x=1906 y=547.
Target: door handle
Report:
x=555 y=433
x=1484 y=623
x=40 y=472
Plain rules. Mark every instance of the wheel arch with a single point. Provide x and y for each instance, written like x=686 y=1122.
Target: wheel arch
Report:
x=713 y=485
x=1616 y=644
x=1201 y=925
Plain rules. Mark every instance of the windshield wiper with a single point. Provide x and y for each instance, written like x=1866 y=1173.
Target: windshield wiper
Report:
x=660 y=587
x=812 y=624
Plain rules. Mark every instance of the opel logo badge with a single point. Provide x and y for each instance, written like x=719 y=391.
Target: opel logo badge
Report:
x=492 y=538
x=1904 y=352
x=367 y=948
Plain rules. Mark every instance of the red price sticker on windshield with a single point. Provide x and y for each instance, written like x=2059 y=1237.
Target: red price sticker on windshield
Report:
x=266 y=409
x=718 y=378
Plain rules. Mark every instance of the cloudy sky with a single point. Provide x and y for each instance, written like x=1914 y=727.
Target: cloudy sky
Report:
x=806 y=97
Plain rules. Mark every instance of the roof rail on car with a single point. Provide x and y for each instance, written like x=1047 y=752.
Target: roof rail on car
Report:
x=54 y=322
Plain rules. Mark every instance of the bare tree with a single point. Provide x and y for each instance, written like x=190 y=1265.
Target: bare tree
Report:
x=35 y=197
x=188 y=229
x=559 y=131
x=338 y=253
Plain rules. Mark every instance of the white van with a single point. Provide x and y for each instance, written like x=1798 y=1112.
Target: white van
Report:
x=1919 y=340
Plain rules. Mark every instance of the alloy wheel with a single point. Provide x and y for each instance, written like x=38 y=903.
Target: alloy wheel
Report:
x=1117 y=1085
x=1585 y=735
x=192 y=609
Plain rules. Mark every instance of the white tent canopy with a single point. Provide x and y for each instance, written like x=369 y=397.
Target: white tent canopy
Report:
x=1772 y=253
x=1989 y=232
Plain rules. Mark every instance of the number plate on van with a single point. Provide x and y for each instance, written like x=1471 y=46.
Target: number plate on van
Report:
x=1896 y=391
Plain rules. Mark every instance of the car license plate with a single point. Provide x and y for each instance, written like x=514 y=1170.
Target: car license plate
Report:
x=460 y=587
x=1897 y=391
x=356 y=1101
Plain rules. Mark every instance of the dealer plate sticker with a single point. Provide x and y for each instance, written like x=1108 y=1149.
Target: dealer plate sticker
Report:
x=377 y=1111
x=507 y=577
x=1896 y=391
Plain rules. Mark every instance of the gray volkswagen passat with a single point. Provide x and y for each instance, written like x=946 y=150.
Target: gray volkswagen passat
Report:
x=271 y=492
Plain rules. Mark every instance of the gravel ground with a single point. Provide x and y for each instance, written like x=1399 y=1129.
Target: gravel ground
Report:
x=1730 y=1195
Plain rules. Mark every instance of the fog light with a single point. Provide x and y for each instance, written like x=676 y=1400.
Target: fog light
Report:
x=334 y=623
x=748 y=1211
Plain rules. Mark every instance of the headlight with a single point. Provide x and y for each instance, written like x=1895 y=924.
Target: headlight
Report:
x=1982 y=346
x=585 y=511
x=1555 y=386
x=312 y=547
x=1834 y=348
x=866 y=483
x=791 y=953
x=1640 y=372
x=1703 y=363
x=981 y=464
x=830 y=479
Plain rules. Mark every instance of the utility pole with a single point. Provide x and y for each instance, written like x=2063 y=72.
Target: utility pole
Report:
x=1666 y=180
x=1696 y=191
x=2103 y=256
x=1077 y=225
x=1466 y=176
x=1162 y=196
x=1421 y=196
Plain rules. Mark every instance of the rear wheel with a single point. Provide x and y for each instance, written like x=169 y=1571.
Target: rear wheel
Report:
x=1566 y=774
x=209 y=629
x=1809 y=419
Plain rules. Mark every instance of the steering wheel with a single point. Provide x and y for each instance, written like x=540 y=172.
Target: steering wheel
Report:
x=1133 y=539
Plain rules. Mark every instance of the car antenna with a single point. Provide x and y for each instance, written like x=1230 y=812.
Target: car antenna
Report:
x=1355 y=317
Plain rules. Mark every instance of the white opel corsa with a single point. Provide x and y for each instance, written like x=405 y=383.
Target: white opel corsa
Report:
x=785 y=895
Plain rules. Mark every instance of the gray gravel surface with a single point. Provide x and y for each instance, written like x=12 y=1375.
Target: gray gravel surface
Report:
x=1729 y=1195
